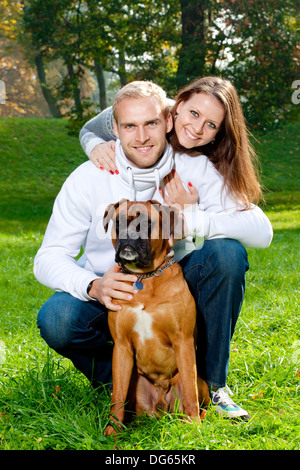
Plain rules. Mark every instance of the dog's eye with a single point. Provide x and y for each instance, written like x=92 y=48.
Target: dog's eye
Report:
x=117 y=225
x=150 y=225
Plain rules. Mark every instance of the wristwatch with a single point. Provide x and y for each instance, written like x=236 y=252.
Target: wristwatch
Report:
x=89 y=287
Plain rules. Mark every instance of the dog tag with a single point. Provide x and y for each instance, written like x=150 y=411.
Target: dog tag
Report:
x=138 y=285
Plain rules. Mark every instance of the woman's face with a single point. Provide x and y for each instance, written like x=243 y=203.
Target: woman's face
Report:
x=198 y=120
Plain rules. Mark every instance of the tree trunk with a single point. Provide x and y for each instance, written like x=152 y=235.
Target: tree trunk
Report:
x=75 y=91
x=54 y=109
x=101 y=84
x=122 y=71
x=192 y=53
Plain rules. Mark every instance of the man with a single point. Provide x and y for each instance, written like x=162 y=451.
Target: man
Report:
x=74 y=320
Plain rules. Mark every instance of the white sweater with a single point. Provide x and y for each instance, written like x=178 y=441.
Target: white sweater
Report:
x=77 y=218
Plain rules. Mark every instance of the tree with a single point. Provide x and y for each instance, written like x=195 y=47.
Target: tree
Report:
x=100 y=36
x=23 y=96
x=192 y=53
x=264 y=60
x=252 y=43
x=171 y=42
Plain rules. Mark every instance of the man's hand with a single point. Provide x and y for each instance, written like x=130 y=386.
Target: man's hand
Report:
x=113 y=285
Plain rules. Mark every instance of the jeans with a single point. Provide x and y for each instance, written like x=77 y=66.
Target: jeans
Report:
x=216 y=277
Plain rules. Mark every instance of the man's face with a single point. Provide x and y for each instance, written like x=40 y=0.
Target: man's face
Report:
x=142 y=129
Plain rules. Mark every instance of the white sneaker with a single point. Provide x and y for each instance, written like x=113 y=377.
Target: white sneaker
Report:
x=225 y=405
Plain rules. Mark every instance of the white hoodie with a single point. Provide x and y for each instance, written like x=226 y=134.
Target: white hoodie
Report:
x=77 y=218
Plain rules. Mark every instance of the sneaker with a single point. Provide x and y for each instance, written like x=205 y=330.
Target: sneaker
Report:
x=225 y=405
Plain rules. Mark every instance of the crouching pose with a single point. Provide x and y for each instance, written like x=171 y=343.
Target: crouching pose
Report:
x=214 y=208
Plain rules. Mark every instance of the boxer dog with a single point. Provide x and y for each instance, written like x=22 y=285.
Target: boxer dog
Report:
x=154 y=365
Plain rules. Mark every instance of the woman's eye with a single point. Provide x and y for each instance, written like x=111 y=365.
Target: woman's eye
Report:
x=212 y=125
x=194 y=113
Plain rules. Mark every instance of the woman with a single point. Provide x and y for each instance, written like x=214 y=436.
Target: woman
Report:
x=208 y=120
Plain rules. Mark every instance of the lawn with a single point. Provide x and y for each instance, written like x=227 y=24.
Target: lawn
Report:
x=45 y=403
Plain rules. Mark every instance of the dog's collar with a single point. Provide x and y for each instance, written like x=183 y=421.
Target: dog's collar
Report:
x=158 y=272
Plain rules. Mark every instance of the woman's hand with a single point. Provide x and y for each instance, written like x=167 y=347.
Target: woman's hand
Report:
x=113 y=285
x=103 y=156
x=177 y=196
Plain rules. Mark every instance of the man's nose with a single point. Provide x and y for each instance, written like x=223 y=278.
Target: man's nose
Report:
x=142 y=135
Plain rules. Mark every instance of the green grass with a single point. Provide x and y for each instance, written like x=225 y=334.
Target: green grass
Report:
x=45 y=403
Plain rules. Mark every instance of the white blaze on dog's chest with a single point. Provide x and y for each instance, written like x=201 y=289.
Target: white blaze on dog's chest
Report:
x=143 y=324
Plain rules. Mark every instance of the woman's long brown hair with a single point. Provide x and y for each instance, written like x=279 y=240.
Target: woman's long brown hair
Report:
x=231 y=153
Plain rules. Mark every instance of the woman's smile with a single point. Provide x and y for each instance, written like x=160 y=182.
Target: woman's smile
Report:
x=190 y=135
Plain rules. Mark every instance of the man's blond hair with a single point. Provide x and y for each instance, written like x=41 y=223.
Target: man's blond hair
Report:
x=141 y=89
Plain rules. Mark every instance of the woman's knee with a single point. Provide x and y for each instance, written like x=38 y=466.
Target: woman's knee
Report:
x=229 y=256
x=218 y=257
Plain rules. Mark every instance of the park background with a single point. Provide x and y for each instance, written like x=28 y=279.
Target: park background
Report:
x=61 y=62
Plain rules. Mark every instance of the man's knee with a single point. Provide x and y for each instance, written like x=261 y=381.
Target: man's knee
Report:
x=54 y=321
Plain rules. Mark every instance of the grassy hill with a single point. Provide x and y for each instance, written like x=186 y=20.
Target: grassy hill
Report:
x=46 y=404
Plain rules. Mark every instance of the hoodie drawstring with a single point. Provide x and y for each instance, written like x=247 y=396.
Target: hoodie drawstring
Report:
x=131 y=181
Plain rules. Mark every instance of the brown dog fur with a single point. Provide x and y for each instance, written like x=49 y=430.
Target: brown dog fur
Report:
x=154 y=365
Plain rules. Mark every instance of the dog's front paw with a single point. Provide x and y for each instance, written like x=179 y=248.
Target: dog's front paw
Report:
x=109 y=431
x=112 y=430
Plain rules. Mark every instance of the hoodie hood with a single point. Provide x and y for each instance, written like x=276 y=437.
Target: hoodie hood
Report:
x=144 y=180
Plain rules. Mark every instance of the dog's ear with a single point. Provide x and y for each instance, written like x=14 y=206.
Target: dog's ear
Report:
x=156 y=203
x=108 y=215
x=109 y=212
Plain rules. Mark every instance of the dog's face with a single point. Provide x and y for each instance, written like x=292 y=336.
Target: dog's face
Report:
x=142 y=233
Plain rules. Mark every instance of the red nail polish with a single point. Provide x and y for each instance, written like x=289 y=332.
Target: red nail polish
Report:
x=101 y=168
x=117 y=172
x=173 y=171
x=159 y=188
x=111 y=172
x=190 y=184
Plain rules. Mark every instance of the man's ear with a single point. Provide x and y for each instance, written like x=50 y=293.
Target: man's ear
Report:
x=115 y=127
x=169 y=123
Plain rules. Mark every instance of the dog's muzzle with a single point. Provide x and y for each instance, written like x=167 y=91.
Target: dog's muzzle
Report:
x=133 y=251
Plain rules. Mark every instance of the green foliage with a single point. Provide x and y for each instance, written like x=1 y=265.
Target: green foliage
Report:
x=252 y=43
x=131 y=41
x=264 y=60
x=45 y=403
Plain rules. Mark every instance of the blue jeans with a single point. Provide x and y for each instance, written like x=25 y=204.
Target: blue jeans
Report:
x=216 y=277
